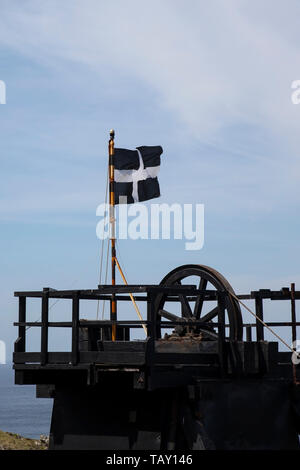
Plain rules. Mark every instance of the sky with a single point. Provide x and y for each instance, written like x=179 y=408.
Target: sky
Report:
x=208 y=81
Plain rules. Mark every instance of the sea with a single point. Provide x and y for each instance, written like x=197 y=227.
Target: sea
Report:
x=20 y=411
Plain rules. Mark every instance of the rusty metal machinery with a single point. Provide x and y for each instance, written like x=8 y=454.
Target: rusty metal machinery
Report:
x=206 y=279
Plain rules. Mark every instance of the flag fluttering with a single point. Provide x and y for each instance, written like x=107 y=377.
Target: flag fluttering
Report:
x=135 y=174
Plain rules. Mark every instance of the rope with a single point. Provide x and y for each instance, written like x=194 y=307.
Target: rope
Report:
x=263 y=323
x=121 y=258
x=102 y=244
x=131 y=296
x=126 y=277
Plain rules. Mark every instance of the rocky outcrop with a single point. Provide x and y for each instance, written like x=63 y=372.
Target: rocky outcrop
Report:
x=10 y=441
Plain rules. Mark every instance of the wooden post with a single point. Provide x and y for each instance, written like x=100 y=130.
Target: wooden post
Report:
x=221 y=332
x=151 y=328
x=44 y=328
x=149 y=316
x=21 y=343
x=248 y=333
x=113 y=303
x=75 y=326
x=259 y=314
x=293 y=315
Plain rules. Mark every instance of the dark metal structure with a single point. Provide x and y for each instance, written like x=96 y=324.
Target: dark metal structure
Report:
x=202 y=379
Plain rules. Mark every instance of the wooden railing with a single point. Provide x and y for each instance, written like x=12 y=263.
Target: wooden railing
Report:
x=143 y=293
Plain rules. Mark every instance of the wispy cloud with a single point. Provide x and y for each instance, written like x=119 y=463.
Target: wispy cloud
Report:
x=214 y=64
x=223 y=69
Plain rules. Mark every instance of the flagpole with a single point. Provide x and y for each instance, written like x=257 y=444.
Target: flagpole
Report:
x=113 y=305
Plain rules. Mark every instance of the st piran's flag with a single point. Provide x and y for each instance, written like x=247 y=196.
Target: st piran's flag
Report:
x=136 y=174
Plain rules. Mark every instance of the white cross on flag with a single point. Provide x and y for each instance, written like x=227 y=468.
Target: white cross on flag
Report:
x=136 y=174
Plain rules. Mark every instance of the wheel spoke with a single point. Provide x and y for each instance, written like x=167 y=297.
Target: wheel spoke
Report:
x=186 y=310
x=210 y=315
x=200 y=298
x=170 y=316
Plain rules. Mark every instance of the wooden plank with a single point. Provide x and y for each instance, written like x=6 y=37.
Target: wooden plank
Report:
x=85 y=357
x=129 y=323
x=23 y=357
x=125 y=346
x=271 y=323
x=111 y=357
x=186 y=347
x=35 y=357
x=99 y=293
x=130 y=288
x=51 y=367
x=120 y=288
x=66 y=324
x=274 y=295
x=184 y=358
x=101 y=323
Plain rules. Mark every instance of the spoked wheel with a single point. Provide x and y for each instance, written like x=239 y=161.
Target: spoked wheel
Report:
x=206 y=311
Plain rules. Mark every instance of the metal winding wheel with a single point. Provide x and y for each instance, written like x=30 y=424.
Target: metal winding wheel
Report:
x=205 y=278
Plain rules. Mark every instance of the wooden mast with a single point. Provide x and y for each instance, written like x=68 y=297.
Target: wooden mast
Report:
x=113 y=305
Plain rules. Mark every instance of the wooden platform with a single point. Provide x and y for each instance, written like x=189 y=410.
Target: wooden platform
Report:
x=153 y=357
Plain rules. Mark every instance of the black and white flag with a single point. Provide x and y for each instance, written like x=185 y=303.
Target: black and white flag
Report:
x=136 y=174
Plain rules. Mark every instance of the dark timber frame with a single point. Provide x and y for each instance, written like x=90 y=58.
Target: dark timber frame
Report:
x=215 y=358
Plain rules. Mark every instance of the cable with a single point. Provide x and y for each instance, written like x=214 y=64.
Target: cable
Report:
x=131 y=296
x=102 y=244
x=263 y=323
x=121 y=257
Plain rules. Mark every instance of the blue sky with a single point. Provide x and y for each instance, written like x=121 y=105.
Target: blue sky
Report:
x=210 y=82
